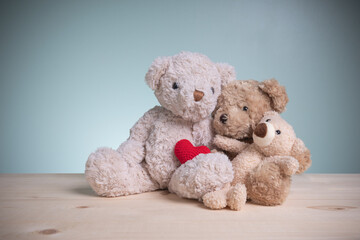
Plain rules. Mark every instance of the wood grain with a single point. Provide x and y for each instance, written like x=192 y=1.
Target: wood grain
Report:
x=62 y=206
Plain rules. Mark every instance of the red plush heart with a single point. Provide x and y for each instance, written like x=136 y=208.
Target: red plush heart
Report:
x=185 y=151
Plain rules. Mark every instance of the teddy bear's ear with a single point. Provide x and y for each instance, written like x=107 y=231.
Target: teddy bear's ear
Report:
x=156 y=71
x=302 y=154
x=277 y=93
x=227 y=73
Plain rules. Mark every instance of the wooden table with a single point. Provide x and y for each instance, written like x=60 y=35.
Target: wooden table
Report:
x=62 y=206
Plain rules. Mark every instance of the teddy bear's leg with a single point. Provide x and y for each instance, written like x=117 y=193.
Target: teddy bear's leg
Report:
x=236 y=197
x=232 y=196
x=113 y=173
x=267 y=184
x=161 y=161
x=205 y=173
x=122 y=172
x=216 y=199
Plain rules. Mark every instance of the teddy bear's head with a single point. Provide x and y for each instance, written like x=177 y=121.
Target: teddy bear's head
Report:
x=274 y=136
x=188 y=84
x=242 y=104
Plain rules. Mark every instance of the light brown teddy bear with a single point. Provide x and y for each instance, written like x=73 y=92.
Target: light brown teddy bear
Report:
x=240 y=107
x=265 y=167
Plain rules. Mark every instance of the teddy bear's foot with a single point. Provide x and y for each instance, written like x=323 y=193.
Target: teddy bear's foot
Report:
x=216 y=199
x=268 y=185
x=236 y=197
x=200 y=175
x=111 y=175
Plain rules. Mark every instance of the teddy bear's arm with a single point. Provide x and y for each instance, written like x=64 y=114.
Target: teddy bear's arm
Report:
x=203 y=132
x=135 y=145
x=141 y=130
x=287 y=164
x=302 y=154
x=244 y=163
x=229 y=144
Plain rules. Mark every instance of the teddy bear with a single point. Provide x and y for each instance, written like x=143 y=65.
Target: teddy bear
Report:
x=265 y=167
x=187 y=86
x=240 y=106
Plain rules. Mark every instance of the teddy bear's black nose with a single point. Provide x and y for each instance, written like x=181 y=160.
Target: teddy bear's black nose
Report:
x=261 y=130
x=198 y=95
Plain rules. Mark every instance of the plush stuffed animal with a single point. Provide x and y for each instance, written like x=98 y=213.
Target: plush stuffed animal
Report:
x=240 y=107
x=266 y=166
x=187 y=86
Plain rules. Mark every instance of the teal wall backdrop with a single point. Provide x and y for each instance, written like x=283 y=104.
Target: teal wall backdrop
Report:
x=72 y=72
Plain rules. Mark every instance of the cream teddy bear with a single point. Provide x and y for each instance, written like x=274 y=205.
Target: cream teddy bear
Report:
x=264 y=167
x=187 y=86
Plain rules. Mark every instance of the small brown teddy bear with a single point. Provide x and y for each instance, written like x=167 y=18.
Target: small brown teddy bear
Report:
x=279 y=153
x=265 y=167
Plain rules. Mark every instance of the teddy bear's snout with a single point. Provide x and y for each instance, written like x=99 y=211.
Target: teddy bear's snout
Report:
x=261 y=130
x=198 y=95
x=264 y=134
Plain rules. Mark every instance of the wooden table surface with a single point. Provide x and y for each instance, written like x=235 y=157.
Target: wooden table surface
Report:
x=62 y=206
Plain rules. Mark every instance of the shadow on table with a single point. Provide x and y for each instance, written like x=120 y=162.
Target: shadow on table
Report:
x=85 y=191
x=174 y=198
x=171 y=197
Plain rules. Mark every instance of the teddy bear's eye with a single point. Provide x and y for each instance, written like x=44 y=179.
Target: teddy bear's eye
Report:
x=245 y=108
x=278 y=132
x=223 y=118
x=213 y=90
x=268 y=120
x=175 y=86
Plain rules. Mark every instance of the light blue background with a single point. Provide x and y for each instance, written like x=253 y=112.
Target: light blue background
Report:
x=72 y=72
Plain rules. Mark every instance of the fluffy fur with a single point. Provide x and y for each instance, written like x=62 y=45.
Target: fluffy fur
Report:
x=266 y=170
x=257 y=97
x=146 y=161
x=234 y=197
x=204 y=173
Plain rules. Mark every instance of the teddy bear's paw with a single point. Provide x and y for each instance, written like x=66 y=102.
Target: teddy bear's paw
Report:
x=229 y=144
x=215 y=200
x=220 y=141
x=288 y=165
x=236 y=197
